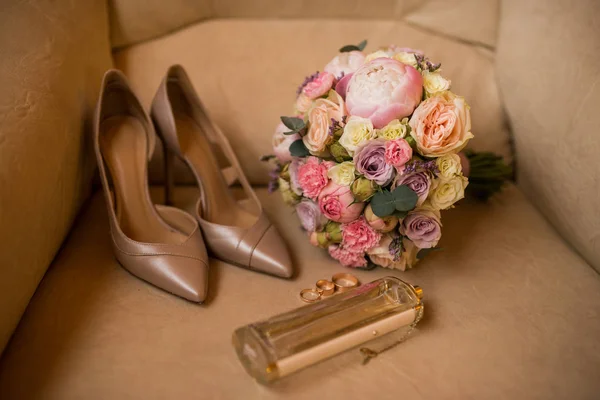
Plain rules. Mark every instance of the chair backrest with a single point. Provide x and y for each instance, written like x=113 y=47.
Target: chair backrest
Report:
x=548 y=64
x=134 y=21
x=52 y=56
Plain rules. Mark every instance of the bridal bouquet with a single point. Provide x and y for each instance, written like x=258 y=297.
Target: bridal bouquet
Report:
x=371 y=156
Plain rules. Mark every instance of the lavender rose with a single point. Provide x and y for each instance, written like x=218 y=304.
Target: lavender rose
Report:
x=310 y=216
x=370 y=161
x=419 y=182
x=293 y=171
x=423 y=228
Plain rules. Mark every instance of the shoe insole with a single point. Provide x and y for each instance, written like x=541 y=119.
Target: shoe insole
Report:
x=220 y=205
x=123 y=145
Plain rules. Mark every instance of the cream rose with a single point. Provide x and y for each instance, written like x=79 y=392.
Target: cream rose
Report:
x=448 y=192
x=319 y=119
x=377 y=54
x=394 y=130
x=303 y=103
x=434 y=83
x=449 y=166
x=342 y=174
x=406 y=58
x=289 y=197
x=441 y=125
x=356 y=131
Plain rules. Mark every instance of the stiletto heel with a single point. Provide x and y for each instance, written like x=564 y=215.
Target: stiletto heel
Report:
x=161 y=245
x=232 y=232
x=169 y=159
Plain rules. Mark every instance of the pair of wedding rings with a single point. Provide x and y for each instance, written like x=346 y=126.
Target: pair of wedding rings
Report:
x=323 y=288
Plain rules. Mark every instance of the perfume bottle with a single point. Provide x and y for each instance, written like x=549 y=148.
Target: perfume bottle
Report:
x=286 y=343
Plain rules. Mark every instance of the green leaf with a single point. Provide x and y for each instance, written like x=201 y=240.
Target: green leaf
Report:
x=383 y=203
x=298 y=149
x=423 y=252
x=400 y=214
x=267 y=157
x=294 y=124
x=351 y=47
x=348 y=48
x=405 y=199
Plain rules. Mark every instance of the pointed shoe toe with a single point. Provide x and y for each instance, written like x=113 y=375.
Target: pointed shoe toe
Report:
x=182 y=276
x=272 y=256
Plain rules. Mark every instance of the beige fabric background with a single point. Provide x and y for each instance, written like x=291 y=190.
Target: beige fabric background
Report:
x=52 y=56
x=133 y=21
x=247 y=72
x=511 y=312
x=553 y=102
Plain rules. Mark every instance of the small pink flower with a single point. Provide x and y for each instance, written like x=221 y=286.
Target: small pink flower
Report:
x=312 y=177
x=346 y=257
x=397 y=152
x=337 y=203
x=281 y=143
x=318 y=86
x=358 y=236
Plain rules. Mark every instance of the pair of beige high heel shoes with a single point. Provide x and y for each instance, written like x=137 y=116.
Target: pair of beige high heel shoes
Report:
x=163 y=245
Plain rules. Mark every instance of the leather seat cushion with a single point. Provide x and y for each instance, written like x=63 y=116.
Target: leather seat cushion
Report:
x=511 y=312
x=247 y=72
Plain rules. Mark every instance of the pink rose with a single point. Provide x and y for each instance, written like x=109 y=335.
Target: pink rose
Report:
x=319 y=86
x=358 y=236
x=441 y=125
x=383 y=90
x=335 y=202
x=319 y=120
x=345 y=63
x=347 y=258
x=397 y=152
x=312 y=177
x=281 y=143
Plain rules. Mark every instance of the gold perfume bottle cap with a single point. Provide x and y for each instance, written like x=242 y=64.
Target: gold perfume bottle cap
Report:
x=418 y=291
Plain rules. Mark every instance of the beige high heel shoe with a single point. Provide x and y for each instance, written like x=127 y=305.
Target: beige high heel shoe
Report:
x=233 y=233
x=161 y=245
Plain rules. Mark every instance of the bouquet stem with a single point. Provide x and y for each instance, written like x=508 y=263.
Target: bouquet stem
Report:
x=487 y=174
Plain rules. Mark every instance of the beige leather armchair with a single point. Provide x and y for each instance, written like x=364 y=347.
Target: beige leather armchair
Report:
x=512 y=303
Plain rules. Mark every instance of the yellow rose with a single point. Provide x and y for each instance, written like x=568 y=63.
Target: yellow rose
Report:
x=394 y=130
x=448 y=192
x=449 y=166
x=434 y=83
x=377 y=54
x=406 y=58
x=356 y=131
x=342 y=174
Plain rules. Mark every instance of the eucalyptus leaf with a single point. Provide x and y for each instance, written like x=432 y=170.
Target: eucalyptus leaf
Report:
x=348 y=48
x=294 y=124
x=405 y=199
x=298 y=149
x=383 y=203
x=361 y=46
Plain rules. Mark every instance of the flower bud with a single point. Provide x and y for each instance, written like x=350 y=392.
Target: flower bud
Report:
x=385 y=224
x=285 y=173
x=334 y=230
x=339 y=152
x=363 y=188
x=323 y=239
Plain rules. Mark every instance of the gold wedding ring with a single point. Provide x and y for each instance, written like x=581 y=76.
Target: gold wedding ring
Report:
x=325 y=287
x=344 y=281
x=310 y=295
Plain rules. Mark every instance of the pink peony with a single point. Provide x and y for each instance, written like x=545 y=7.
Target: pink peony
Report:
x=281 y=143
x=312 y=177
x=342 y=85
x=319 y=86
x=336 y=203
x=346 y=257
x=358 y=236
x=383 y=90
x=397 y=152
